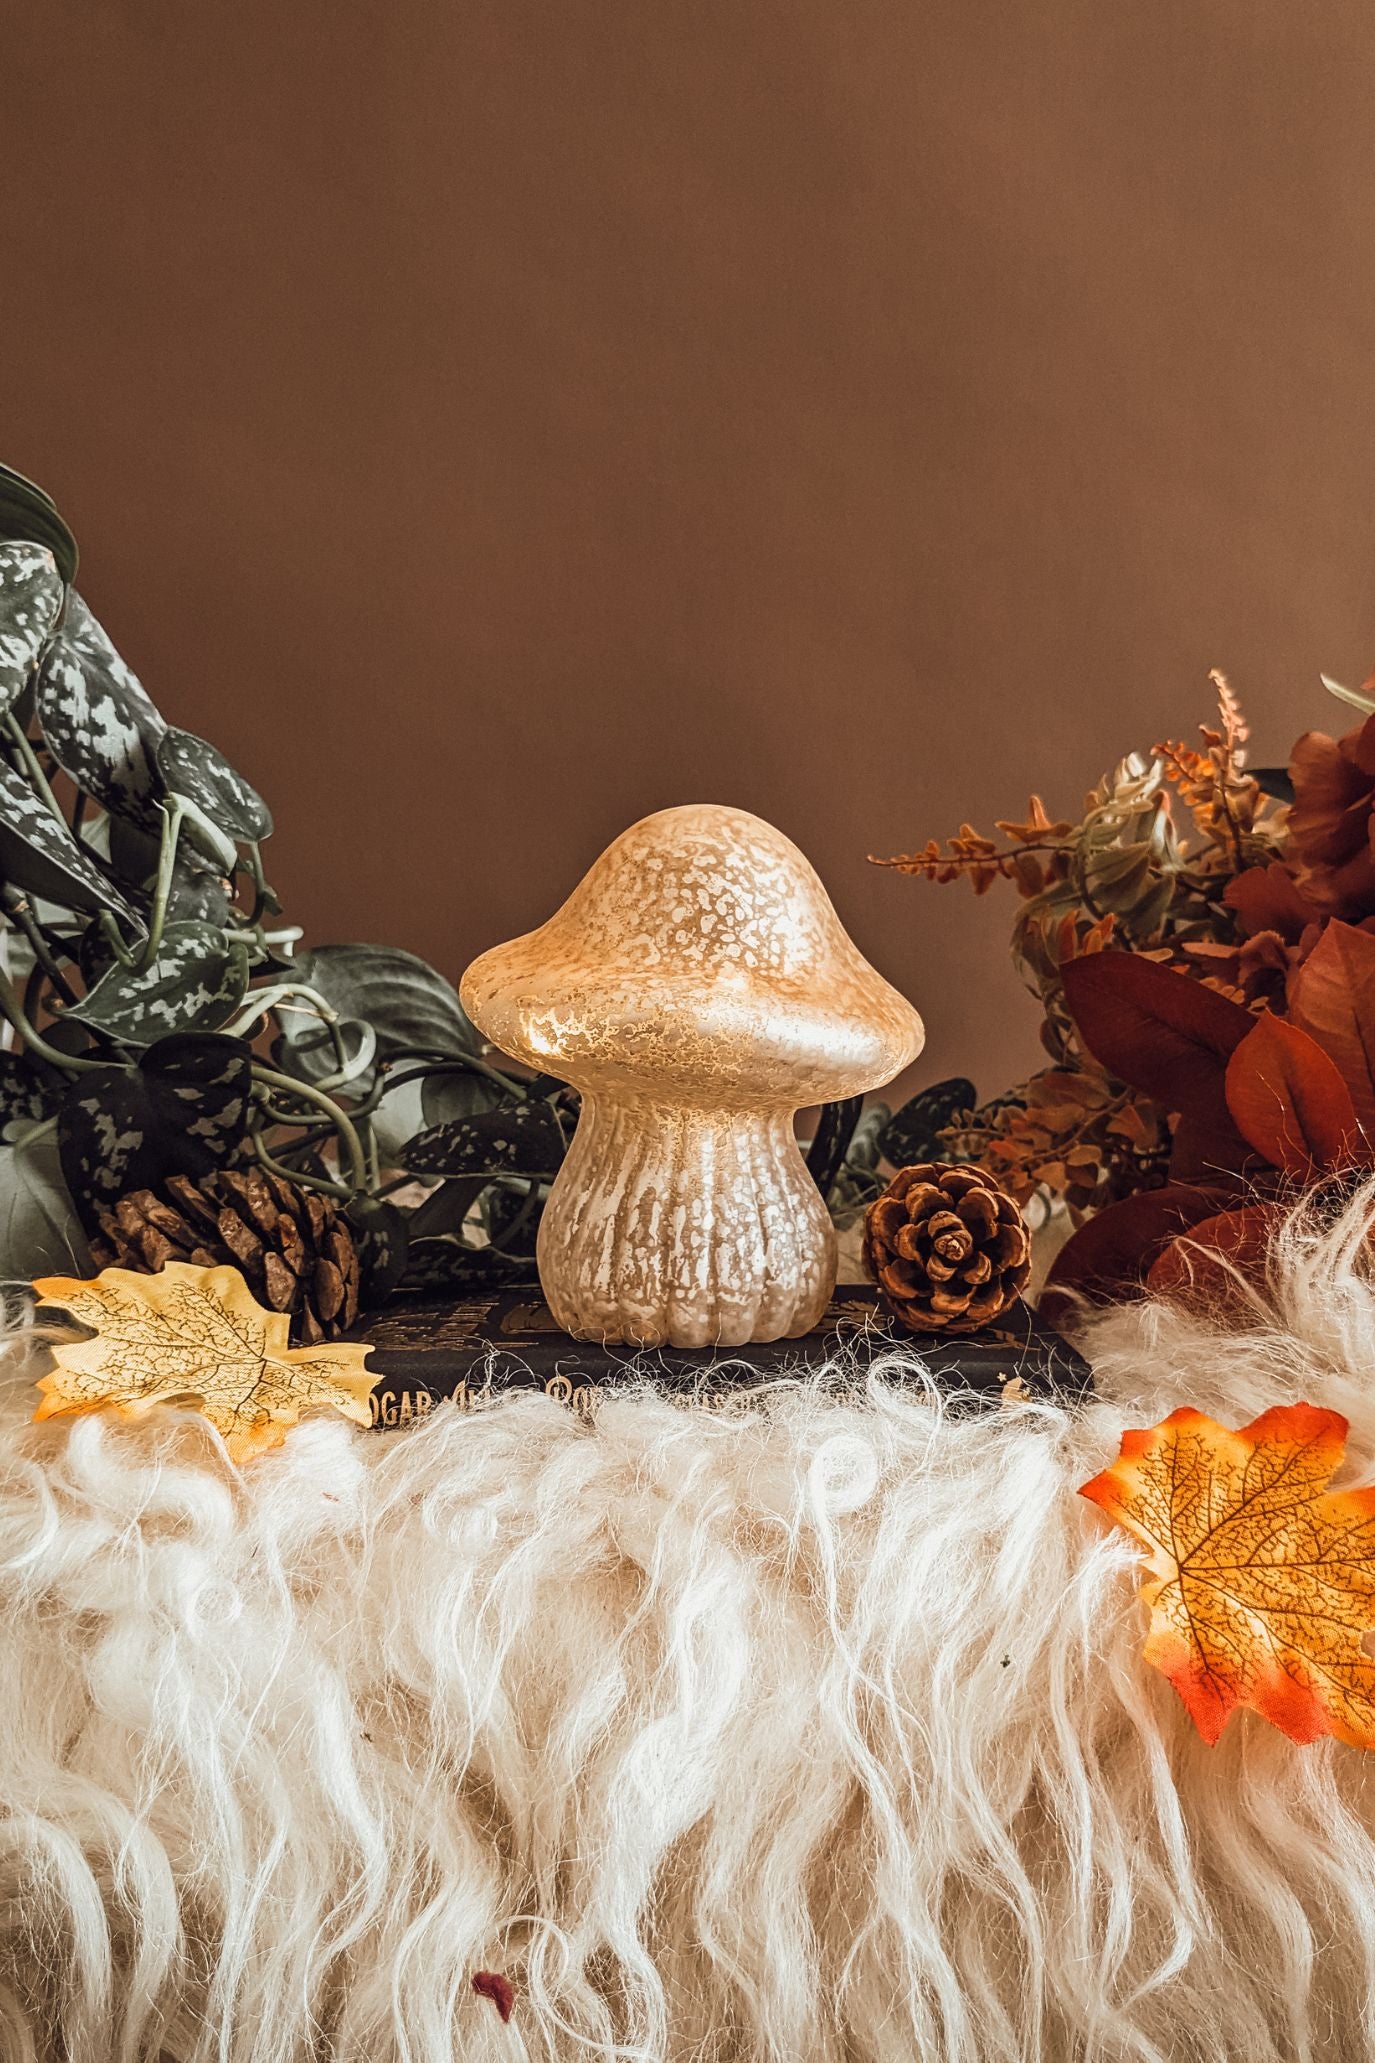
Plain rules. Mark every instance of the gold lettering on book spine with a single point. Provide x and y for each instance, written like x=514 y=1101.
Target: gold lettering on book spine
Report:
x=401 y=1408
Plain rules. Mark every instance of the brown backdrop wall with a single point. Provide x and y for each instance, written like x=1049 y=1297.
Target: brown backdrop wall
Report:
x=493 y=419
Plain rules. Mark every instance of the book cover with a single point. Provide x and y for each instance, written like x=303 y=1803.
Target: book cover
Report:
x=471 y=1349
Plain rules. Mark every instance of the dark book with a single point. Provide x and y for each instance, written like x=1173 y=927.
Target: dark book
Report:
x=476 y=1347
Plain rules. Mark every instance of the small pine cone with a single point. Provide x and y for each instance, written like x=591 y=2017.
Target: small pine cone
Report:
x=947 y=1247
x=293 y=1246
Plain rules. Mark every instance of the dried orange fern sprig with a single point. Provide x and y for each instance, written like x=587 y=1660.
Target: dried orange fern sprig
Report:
x=971 y=856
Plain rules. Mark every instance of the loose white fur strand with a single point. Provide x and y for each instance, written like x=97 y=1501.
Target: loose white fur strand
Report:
x=814 y=1730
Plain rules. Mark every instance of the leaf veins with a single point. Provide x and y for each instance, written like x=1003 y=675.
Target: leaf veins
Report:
x=197 y=1335
x=1261 y=1580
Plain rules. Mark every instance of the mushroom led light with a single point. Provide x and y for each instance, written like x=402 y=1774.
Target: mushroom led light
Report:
x=697 y=987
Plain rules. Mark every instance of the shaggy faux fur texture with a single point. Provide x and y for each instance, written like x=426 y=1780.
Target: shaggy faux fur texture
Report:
x=814 y=1729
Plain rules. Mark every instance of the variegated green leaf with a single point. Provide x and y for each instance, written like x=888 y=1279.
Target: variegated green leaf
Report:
x=515 y=1139
x=28 y=1092
x=306 y=1047
x=38 y=853
x=382 y=1237
x=199 y=892
x=98 y=721
x=417 y=1105
x=30 y=604
x=409 y=1006
x=193 y=768
x=195 y=983
x=182 y=1111
x=447 y=1261
x=40 y=1233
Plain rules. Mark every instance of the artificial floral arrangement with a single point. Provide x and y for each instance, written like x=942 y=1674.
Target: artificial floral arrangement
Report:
x=1202 y=943
x=178 y=1081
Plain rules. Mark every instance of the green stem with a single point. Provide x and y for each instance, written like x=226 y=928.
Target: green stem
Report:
x=23 y=748
x=19 y=738
x=262 y=1001
x=298 y=1177
x=162 y=889
x=306 y=1092
x=310 y=1135
x=265 y=902
x=520 y=1220
x=266 y=1000
x=349 y=1069
x=12 y=1010
x=402 y=1181
x=368 y=1104
x=114 y=938
x=292 y=1117
x=20 y=911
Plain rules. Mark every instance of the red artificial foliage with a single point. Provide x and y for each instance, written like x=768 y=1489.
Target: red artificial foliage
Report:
x=1289 y=1101
x=1258 y=1101
x=1268 y=899
x=1331 y=817
x=1207 y=1263
x=1205 y=959
x=1156 y=1029
x=1112 y=1253
x=1170 y=1037
x=1333 y=997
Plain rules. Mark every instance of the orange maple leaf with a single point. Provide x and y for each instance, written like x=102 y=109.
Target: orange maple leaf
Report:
x=1261 y=1580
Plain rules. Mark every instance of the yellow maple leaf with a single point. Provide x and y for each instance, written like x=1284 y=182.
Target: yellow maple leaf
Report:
x=195 y=1335
x=1261 y=1580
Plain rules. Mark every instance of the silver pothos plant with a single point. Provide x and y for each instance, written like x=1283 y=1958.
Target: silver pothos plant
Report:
x=159 y=1019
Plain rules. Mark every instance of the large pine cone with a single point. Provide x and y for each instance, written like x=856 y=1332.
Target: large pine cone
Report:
x=948 y=1248
x=293 y=1246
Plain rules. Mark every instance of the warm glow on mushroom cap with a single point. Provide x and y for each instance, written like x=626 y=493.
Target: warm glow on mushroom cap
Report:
x=700 y=952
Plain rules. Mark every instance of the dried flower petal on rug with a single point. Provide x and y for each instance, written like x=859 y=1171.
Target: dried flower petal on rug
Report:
x=196 y=1335
x=490 y=1984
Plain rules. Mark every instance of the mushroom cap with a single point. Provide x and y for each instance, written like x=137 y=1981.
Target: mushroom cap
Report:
x=698 y=959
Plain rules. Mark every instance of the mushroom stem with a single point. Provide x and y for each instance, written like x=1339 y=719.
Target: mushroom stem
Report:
x=674 y=1225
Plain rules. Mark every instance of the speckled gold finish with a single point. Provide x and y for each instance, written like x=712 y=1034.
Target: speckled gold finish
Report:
x=697 y=987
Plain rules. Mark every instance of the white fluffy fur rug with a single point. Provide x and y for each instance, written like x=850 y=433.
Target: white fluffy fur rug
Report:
x=815 y=1730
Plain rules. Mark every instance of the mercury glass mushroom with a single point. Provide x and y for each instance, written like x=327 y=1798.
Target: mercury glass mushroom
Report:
x=697 y=988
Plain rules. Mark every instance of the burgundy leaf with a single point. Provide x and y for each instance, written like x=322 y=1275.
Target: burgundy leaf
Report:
x=1330 y=819
x=1332 y=786
x=1111 y=1254
x=1207 y=1147
x=1266 y=899
x=1159 y=1031
x=1290 y=1101
x=1200 y=1264
x=1333 y=997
